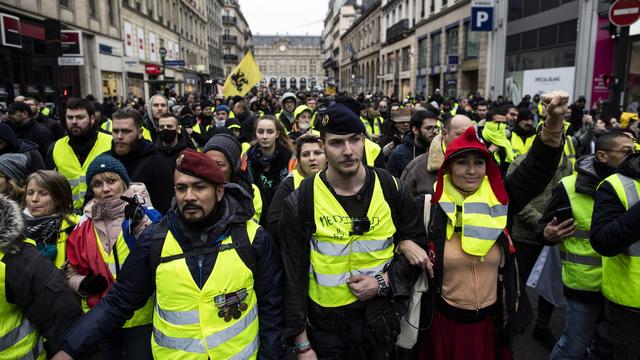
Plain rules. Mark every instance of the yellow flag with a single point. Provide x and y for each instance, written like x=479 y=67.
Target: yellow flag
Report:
x=243 y=77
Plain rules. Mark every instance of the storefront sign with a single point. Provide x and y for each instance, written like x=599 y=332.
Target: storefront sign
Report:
x=141 y=54
x=106 y=49
x=131 y=61
x=71 y=42
x=538 y=81
x=70 y=61
x=152 y=47
x=151 y=69
x=128 y=39
x=603 y=63
x=10 y=27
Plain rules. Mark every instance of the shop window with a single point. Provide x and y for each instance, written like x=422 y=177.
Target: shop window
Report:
x=513 y=43
x=548 y=36
x=530 y=40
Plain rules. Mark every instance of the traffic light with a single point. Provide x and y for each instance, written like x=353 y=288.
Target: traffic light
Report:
x=66 y=92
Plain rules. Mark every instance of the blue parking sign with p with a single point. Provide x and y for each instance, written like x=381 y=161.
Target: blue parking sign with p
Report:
x=481 y=18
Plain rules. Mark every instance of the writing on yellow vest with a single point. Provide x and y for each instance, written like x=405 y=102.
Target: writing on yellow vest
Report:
x=186 y=321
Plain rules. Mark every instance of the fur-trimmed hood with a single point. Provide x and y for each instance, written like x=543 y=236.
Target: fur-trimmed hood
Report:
x=11 y=226
x=436 y=154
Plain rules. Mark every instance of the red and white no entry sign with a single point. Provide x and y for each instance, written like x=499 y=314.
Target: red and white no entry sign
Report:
x=624 y=12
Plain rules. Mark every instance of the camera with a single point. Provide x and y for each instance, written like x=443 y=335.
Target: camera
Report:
x=360 y=225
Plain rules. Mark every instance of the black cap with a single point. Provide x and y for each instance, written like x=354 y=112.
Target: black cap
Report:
x=19 y=106
x=340 y=119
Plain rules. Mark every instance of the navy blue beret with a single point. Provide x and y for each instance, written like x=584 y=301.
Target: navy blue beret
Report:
x=340 y=119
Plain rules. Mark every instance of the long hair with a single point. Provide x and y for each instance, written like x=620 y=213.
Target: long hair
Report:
x=283 y=139
x=58 y=188
x=14 y=191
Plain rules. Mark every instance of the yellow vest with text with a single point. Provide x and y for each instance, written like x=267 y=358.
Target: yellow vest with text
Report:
x=336 y=254
x=483 y=217
x=186 y=324
x=68 y=165
x=521 y=147
x=581 y=265
x=19 y=339
x=371 y=150
x=141 y=316
x=621 y=273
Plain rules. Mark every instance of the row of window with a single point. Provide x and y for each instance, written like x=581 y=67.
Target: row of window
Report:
x=545 y=37
x=523 y=8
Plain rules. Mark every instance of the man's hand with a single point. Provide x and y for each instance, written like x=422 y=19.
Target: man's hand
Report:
x=416 y=255
x=61 y=355
x=587 y=120
x=364 y=287
x=556 y=104
x=556 y=233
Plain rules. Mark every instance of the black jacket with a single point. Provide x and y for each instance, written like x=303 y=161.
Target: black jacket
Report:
x=402 y=155
x=146 y=165
x=295 y=252
x=275 y=209
x=587 y=181
x=32 y=283
x=524 y=184
x=30 y=150
x=37 y=133
x=170 y=153
x=136 y=282
x=614 y=228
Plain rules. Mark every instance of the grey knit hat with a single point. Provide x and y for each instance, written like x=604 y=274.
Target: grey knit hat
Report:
x=226 y=144
x=14 y=166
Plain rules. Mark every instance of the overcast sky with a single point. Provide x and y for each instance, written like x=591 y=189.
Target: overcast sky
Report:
x=296 y=17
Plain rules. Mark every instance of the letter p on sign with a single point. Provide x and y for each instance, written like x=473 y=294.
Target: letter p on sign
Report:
x=481 y=15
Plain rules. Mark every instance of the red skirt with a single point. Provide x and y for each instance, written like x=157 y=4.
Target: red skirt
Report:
x=450 y=340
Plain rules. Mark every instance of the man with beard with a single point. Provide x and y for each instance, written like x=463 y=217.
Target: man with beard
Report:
x=424 y=125
x=523 y=132
x=339 y=231
x=171 y=139
x=213 y=274
x=156 y=106
x=140 y=158
x=247 y=121
x=288 y=104
x=72 y=154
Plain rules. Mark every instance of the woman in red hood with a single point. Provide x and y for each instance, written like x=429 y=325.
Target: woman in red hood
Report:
x=476 y=302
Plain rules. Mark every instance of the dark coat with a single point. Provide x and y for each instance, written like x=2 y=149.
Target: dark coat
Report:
x=37 y=133
x=524 y=184
x=170 y=153
x=147 y=166
x=402 y=155
x=32 y=283
x=136 y=282
x=30 y=150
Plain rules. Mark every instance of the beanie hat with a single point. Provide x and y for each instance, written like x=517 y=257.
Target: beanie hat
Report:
x=222 y=107
x=469 y=141
x=7 y=134
x=232 y=123
x=19 y=106
x=14 y=166
x=106 y=163
x=226 y=144
x=197 y=164
x=340 y=119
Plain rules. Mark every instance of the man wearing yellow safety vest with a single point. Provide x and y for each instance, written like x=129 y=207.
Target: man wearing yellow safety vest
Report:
x=615 y=234
x=581 y=264
x=34 y=299
x=523 y=133
x=214 y=272
x=496 y=136
x=311 y=159
x=372 y=121
x=338 y=232
x=72 y=154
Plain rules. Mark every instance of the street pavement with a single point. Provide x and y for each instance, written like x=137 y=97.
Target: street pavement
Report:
x=528 y=348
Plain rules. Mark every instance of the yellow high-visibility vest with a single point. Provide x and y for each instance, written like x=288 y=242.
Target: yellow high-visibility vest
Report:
x=521 y=147
x=186 y=322
x=68 y=165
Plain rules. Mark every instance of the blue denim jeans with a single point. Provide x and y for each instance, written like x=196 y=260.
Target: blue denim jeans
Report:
x=579 y=332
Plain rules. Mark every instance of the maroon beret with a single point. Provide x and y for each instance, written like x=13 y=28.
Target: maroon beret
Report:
x=199 y=165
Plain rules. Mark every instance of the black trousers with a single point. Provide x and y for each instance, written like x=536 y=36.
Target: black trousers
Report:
x=621 y=330
x=343 y=334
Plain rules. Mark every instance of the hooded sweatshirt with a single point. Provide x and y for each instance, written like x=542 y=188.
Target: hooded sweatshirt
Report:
x=286 y=117
x=149 y=122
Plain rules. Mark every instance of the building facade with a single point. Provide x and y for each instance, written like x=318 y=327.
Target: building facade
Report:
x=289 y=62
x=194 y=46
x=360 y=53
x=340 y=16
x=214 y=37
x=236 y=35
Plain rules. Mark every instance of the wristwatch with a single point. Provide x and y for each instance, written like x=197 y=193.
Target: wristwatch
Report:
x=302 y=348
x=383 y=287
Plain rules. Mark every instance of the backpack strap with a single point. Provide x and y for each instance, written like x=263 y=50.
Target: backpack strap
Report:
x=240 y=237
x=391 y=189
x=305 y=206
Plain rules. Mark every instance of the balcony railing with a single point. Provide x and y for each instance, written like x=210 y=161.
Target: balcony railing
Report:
x=228 y=20
x=397 y=31
x=229 y=39
x=230 y=57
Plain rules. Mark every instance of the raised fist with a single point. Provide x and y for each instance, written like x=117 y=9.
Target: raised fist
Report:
x=556 y=102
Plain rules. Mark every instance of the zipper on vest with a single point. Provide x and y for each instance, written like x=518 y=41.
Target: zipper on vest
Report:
x=200 y=271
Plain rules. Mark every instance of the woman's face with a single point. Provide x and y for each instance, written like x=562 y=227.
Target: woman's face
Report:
x=266 y=133
x=39 y=200
x=107 y=186
x=467 y=171
x=312 y=158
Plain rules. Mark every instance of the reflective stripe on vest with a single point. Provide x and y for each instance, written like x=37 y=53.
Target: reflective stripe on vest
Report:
x=483 y=217
x=336 y=254
x=581 y=265
x=621 y=273
x=142 y=316
x=186 y=321
x=68 y=165
x=521 y=147
x=570 y=151
x=19 y=338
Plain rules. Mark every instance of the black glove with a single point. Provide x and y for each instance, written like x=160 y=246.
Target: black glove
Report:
x=133 y=212
x=93 y=284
